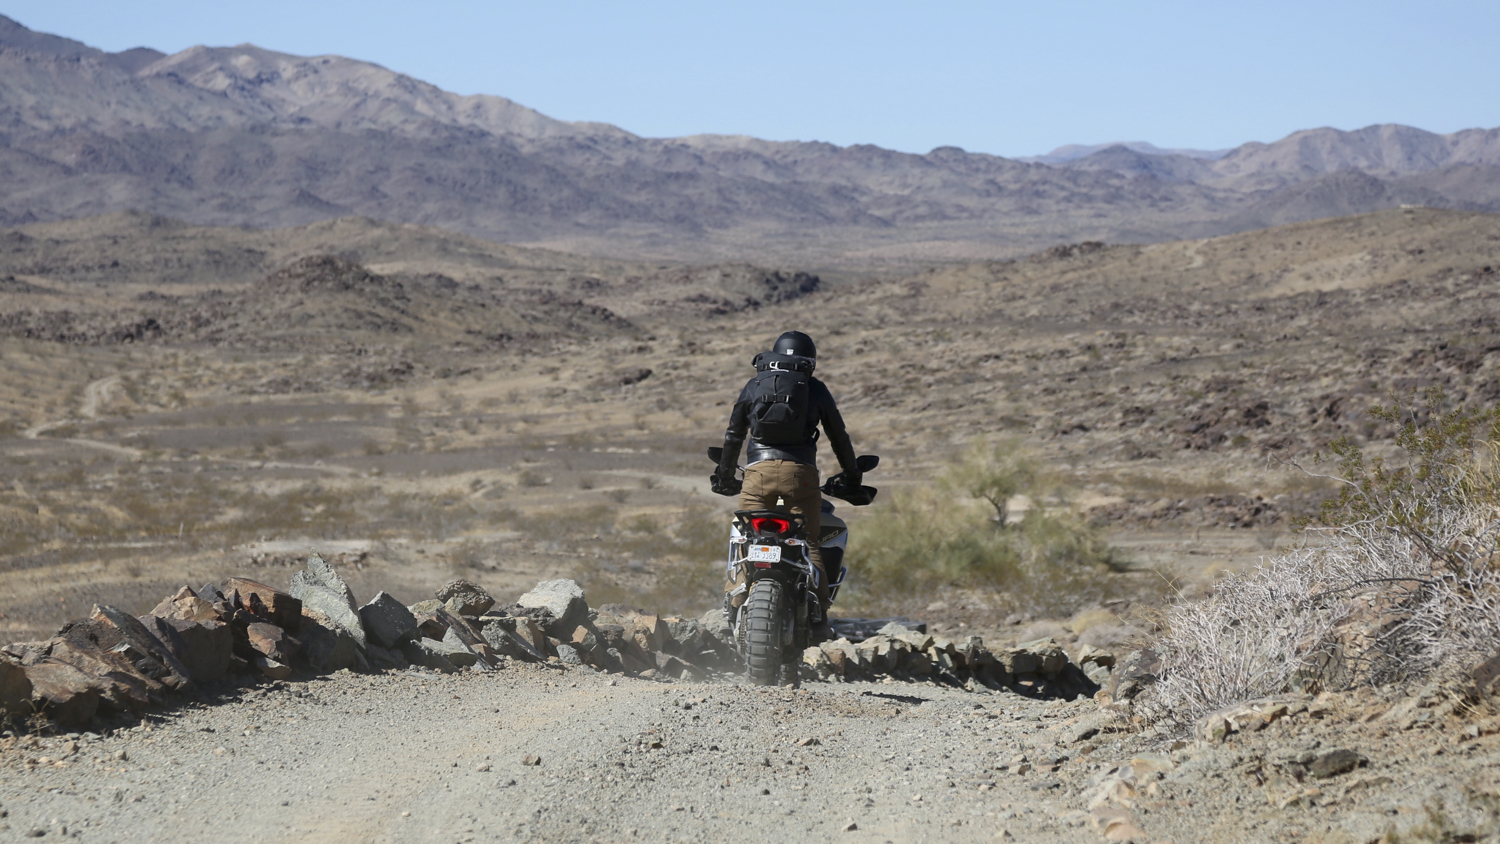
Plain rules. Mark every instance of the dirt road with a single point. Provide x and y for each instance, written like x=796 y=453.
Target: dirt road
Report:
x=411 y=757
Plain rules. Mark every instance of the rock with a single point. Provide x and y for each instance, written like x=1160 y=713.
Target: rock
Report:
x=427 y=607
x=838 y=658
x=815 y=659
x=15 y=689
x=464 y=597
x=387 y=622
x=320 y=575
x=320 y=588
x=529 y=631
x=62 y=692
x=1049 y=656
x=122 y=687
x=460 y=628
x=457 y=651
x=531 y=760
x=677 y=669
x=1331 y=763
x=208 y=644
x=271 y=641
x=167 y=636
x=498 y=633
x=273 y=669
x=429 y=624
x=568 y=655
x=564 y=599
x=381 y=659
x=916 y=664
x=583 y=638
x=649 y=632
x=326 y=646
x=428 y=654
x=1089 y=655
x=187 y=606
x=140 y=647
x=1133 y=674
x=919 y=640
x=271 y=604
x=1249 y=716
x=716 y=624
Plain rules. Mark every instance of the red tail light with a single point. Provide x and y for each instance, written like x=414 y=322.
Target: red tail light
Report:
x=763 y=524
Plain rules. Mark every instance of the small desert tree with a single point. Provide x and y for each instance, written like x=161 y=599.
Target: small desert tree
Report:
x=995 y=471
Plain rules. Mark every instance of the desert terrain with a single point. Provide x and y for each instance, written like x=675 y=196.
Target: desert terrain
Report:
x=181 y=404
x=216 y=398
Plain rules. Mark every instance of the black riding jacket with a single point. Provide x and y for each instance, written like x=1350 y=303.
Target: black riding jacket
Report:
x=820 y=408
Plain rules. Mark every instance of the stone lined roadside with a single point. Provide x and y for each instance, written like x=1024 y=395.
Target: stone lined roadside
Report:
x=113 y=663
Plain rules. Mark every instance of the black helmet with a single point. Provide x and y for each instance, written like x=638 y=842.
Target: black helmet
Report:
x=795 y=343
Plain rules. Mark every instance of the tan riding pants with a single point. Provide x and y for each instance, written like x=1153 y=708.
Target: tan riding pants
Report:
x=797 y=484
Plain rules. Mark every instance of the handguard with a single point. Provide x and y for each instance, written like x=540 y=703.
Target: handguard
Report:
x=839 y=487
x=725 y=486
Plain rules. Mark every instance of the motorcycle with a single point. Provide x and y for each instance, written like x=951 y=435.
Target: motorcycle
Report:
x=770 y=547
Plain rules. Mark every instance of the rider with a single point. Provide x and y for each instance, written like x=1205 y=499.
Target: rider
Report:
x=782 y=458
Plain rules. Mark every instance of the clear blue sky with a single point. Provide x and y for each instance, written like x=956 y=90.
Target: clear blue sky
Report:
x=1007 y=78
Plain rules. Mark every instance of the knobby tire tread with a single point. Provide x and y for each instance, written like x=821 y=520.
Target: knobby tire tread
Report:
x=763 y=609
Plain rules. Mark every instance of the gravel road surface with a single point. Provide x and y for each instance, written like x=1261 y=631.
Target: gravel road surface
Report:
x=420 y=757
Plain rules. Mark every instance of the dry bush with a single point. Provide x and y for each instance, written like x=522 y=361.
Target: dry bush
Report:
x=1404 y=585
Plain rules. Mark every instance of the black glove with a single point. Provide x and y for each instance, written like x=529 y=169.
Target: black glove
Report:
x=852 y=480
x=722 y=484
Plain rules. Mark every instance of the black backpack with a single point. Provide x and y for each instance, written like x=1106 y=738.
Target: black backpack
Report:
x=779 y=412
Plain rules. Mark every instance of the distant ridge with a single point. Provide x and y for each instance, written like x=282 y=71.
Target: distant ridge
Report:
x=1073 y=152
x=247 y=136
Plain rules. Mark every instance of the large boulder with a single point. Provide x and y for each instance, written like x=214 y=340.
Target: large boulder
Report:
x=563 y=599
x=320 y=588
x=387 y=622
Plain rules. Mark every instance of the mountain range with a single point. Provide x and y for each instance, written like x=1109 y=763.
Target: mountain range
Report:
x=247 y=136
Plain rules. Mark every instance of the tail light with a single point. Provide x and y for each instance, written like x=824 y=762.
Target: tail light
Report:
x=765 y=524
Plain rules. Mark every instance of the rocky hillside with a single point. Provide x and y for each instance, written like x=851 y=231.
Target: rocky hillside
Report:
x=246 y=136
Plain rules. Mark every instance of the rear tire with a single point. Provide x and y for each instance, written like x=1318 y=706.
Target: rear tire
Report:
x=761 y=620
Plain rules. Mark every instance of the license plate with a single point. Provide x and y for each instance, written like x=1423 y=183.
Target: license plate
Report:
x=765 y=553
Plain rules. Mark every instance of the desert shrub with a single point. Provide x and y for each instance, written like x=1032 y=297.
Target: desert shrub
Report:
x=672 y=562
x=957 y=533
x=1403 y=582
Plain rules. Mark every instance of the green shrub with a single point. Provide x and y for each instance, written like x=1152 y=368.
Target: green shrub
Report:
x=958 y=533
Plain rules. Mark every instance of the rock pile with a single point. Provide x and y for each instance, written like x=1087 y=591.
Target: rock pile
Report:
x=1040 y=668
x=114 y=663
